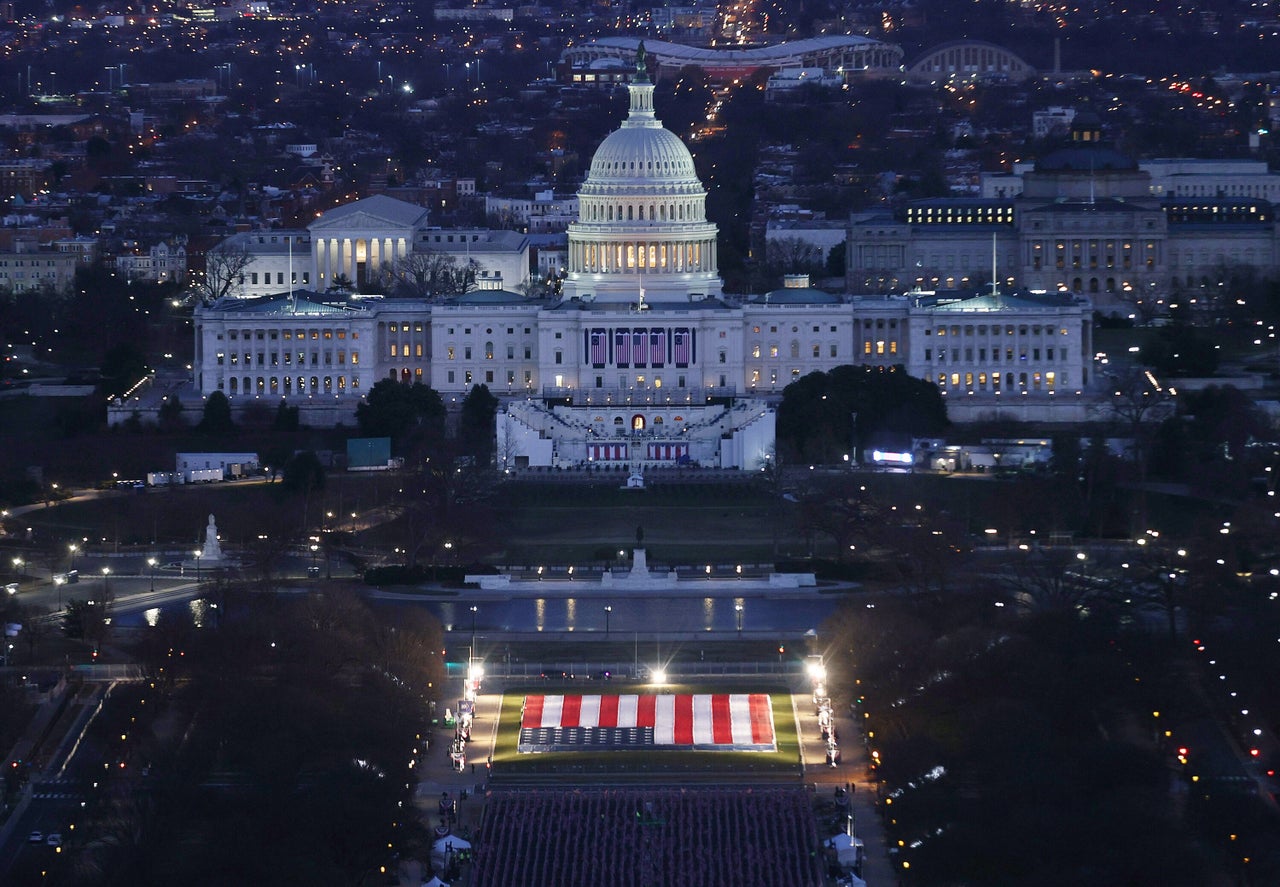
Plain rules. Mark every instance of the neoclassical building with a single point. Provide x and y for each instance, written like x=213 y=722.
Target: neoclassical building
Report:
x=1086 y=220
x=363 y=243
x=643 y=357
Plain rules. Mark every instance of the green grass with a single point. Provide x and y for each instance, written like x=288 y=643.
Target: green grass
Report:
x=508 y=763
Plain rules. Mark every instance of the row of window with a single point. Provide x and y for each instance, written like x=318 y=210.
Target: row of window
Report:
x=288 y=384
x=451 y=352
x=664 y=212
x=272 y=335
x=469 y=377
x=998 y=381
x=953 y=354
x=279 y=281
x=996 y=330
x=286 y=358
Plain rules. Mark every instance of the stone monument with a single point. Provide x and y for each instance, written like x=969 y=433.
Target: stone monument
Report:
x=212 y=548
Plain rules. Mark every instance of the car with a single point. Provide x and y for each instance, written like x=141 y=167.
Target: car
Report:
x=54 y=840
x=35 y=838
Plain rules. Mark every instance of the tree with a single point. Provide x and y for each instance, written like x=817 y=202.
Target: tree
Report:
x=303 y=472
x=816 y=416
x=217 y=415
x=794 y=255
x=845 y=512
x=171 y=414
x=224 y=266
x=429 y=274
x=286 y=417
x=394 y=409
x=476 y=424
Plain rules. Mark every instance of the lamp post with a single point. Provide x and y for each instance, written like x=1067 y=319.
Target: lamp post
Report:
x=106 y=587
x=471 y=651
x=197 y=554
x=738 y=609
x=608 y=608
x=314 y=548
x=151 y=562
x=18 y=567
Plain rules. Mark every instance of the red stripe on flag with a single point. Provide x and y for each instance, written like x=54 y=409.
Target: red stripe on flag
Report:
x=532 y=713
x=721 y=720
x=571 y=714
x=608 y=711
x=684 y=719
x=761 y=724
x=646 y=711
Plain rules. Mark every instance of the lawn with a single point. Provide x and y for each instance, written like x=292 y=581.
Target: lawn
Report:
x=509 y=764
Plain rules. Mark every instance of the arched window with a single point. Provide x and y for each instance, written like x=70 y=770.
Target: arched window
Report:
x=488 y=351
x=234 y=385
x=630 y=213
x=637 y=422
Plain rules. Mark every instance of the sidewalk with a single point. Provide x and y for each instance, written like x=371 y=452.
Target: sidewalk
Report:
x=437 y=777
x=852 y=772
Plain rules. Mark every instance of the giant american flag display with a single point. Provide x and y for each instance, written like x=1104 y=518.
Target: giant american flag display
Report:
x=708 y=721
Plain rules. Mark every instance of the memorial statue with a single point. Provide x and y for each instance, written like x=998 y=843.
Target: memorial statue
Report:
x=212 y=548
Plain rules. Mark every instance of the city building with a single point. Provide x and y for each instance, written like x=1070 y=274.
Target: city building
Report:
x=641 y=334
x=845 y=54
x=1085 y=220
x=365 y=245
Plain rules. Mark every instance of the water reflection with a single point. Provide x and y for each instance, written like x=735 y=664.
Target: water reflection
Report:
x=648 y=616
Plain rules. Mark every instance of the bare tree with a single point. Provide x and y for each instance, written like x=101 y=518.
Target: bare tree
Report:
x=224 y=267
x=428 y=274
x=1138 y=404
x=793 y=255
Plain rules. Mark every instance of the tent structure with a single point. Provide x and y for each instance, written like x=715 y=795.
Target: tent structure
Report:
x=445 y=846
x=849 y=849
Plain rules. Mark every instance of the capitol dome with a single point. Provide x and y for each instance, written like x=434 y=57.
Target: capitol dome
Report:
x=642 y=229
x=641 y=152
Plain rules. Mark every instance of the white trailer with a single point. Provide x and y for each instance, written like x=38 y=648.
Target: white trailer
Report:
x=203 y=475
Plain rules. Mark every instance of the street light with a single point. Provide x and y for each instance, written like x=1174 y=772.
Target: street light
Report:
x=151 y=562
x=738 y=608
x=197 y=554
x=106 y=586
x=608 y=608
x=17 y=567
x=471 y=652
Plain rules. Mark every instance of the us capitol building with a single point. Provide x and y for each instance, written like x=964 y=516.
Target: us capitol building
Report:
x=642 y=358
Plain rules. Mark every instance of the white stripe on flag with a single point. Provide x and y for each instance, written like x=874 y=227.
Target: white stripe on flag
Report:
x=664 y=726
x=552 y=709
x=627 y=710
x=740 y=714
x=702 y=731
x=590 y=716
